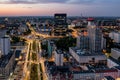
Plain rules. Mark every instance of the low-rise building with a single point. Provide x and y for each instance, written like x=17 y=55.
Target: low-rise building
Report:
x=115 y=53
x=97 y=74
x=108 y=78
x=83 y=75
x=100 y=73
x=86 y=57
x=59 y=57
x=115 y=36
x=111 y=62
x=118 y=68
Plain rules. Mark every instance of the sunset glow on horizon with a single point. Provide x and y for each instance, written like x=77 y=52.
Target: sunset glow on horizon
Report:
x=49 y=7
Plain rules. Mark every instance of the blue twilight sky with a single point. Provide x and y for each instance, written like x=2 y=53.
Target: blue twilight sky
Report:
x=49 y=7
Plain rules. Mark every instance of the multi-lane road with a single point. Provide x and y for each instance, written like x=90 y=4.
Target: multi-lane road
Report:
x=39 y=60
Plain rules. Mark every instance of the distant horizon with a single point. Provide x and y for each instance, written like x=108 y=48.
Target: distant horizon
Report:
x=49 y=7
x=53 y=16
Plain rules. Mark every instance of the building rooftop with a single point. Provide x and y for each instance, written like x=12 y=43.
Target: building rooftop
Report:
x=90 y=19
x=117 y=67
x=116 y=49
x=83 y=71
x=60 y=14
x=84 y=52
x=17 y=53
x=62 y=69
x=96 y=67
x=109 y=78
x=106 y=70
x=5 y=59
x=5 y=37
x=59 y=51
x=114 y=60
x=75 y=68
x=48 y=63
x=51 y=42
x=106 y=23
x=2 y=33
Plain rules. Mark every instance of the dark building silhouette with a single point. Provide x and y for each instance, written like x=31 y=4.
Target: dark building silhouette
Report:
x=60 y=28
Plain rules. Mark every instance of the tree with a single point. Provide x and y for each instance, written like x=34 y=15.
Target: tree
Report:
x=65 y=43
x=34 y=46
x=27 y=32
x=15 y=39
x=23 y=41
x=45 y=47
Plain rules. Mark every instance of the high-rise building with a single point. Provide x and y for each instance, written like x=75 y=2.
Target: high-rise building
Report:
x=103 y=43
x=51 y=47
x=60 y=28
x=83 y=42
x=95 y=36
x=4 y=45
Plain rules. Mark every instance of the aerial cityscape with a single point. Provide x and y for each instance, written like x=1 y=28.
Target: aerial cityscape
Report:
x=59 y=40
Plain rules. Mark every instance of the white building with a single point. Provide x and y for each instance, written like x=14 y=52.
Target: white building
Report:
x=95 y=36
x=4 y=45
x=111 y=62
x=115 y=36
x=115 y=53
x=58 y=57
x=86 y=57
x=103 y=43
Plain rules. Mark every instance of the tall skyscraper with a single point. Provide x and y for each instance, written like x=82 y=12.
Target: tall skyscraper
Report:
x=83 y=42
x=4 y=45
x=60 y=28
x=95 y=36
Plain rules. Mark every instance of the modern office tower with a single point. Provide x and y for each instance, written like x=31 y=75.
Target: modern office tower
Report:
x=51 y=47
x=60 y=28
x=95 y=35
x=83 y=42
x=59 y=58
x=4 y=45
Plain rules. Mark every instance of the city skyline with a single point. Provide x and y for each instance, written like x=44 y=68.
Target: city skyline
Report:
x=49 y=7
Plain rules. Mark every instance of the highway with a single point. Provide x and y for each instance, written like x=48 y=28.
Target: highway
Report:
x=42 y=60
x=45 y=36
x=28 y=62
x=29 y=55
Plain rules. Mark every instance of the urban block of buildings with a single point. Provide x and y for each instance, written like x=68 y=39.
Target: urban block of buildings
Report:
x=88 y=61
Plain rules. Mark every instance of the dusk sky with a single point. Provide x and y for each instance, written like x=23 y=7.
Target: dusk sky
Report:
x=49 y=7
